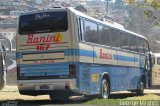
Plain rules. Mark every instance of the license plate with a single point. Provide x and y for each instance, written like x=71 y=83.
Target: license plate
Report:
x=43 y=87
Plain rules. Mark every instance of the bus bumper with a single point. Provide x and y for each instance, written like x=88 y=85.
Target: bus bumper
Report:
x=42 y=87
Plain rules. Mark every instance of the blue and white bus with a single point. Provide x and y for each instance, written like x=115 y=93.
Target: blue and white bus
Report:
x=63 y=52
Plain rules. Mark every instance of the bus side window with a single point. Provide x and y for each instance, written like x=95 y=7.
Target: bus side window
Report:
x=120 y=39
x=124 y=43
x=91 y=32
x=146 y=47
x=115 y=35
x=133 y=43
x=140 y=45
x=80 y=29
x=104 y=35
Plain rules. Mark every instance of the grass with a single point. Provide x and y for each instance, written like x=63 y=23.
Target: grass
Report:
x=131 y=99
x=103 y=102
x=146 y=97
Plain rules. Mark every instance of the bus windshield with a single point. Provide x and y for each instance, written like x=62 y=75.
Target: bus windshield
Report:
x=43 y=22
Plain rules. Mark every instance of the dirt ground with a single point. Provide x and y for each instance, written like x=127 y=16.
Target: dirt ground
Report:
x=11 y=93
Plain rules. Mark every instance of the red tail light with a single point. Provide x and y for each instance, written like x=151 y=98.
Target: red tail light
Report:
x=72 y=70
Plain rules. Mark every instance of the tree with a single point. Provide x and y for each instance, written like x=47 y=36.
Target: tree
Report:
x=144 y=18
x=81 y=8
x=119 y=4
x=151 y=9
x=108 y=3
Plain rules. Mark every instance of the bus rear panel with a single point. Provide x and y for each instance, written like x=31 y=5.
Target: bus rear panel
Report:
x=44 y=63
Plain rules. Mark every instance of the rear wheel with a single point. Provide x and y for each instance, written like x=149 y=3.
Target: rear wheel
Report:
x=105 y=89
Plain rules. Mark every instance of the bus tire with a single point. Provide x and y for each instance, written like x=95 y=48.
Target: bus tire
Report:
x=105 y=89
x=140 y=89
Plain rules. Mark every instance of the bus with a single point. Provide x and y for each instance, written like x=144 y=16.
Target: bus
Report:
x=5 y=47
x=63 y=52
x=155 y=70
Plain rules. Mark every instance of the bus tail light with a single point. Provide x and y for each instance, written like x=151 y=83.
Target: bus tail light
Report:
x=72 y=70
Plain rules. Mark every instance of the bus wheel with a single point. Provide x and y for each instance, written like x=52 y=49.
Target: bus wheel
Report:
x=105 y=91
x=140 y=89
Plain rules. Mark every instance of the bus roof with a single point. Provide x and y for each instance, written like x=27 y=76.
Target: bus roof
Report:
x=111 y=24
x=78 y=13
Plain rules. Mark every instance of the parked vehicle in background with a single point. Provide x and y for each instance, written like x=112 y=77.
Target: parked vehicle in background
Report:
x=63 y=52
x=3 y=68
x=155 y=71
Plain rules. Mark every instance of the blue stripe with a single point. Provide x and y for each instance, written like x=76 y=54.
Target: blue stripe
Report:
x=67 y=52
x=125 y=58
x=64 y=64
x=87 y=53
x=44 y=72
x=79 y=52
x=44 y=69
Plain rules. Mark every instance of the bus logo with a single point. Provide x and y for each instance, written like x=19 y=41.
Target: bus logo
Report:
x=105 y=55
x=46 y=40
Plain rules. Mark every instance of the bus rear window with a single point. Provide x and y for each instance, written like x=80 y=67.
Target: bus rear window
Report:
x=43 y=22
x=158 y=61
